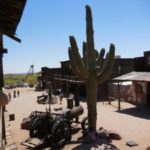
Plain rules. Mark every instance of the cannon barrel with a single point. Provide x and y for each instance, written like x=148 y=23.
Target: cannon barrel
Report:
x=69 y=113
x=74 y=112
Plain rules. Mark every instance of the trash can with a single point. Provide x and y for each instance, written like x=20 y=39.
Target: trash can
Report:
x=70 y=103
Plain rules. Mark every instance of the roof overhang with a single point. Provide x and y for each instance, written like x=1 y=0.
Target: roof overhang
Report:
x=10 y=16
x=134 y=76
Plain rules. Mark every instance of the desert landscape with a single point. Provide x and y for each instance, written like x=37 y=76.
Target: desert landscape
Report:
x=114 y=36
x=130 y=123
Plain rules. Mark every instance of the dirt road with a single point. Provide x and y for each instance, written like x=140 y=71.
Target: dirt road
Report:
x=130 y=123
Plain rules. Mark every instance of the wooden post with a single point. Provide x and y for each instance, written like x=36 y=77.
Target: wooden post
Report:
x=76 y=95
x=1 y=137
x=119 y=105
x=109 y=100
x=2 y=50
x=135 y=89
x=49 y=86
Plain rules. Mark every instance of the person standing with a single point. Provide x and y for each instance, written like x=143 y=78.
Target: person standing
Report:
x=18 y=93
x=14 y=93
x=9 y=96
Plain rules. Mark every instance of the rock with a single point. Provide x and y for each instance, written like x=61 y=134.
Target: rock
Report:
x=148 y=148
x=131 y=143
x=103 y=133
x=26 y=123
x=107 y=147
x=113 y=135
x=102 y=147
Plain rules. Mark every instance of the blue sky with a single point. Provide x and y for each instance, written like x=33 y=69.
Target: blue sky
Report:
x=46 y=25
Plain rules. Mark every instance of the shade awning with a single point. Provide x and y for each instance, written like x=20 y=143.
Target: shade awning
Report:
x=134 y=76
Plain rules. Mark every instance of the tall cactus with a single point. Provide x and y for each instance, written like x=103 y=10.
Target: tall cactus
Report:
x=91 y=68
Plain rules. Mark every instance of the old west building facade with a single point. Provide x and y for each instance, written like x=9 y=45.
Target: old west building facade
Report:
x=121 y=66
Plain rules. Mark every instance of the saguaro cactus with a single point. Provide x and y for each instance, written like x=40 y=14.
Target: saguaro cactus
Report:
x=91 y=68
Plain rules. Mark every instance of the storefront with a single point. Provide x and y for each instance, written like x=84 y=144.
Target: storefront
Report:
x=137 y=89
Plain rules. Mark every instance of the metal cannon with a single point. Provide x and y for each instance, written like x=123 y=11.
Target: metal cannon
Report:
x=68 y=113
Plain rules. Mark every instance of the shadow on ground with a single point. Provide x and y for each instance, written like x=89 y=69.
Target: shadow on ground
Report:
x=138 y=111
x=87 y=146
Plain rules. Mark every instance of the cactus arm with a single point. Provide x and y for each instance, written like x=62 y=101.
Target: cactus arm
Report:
x=96 y=54
x=76 y=56
x=104 y=74
x=74 y=67
x=84 y=47
x=100 y=57
x=90 y=39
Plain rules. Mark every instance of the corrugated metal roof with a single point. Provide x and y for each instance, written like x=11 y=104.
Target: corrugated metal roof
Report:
x=10 y=15
x=134 y=76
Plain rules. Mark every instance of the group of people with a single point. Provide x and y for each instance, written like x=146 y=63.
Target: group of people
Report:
x=15 y=94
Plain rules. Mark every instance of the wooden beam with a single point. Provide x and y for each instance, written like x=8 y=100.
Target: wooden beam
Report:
x=119 y=100
x=10 y=35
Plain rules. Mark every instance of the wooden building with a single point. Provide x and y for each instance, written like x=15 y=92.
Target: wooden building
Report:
x=134 y=86
x=47 y=74
x=121 y=66
x=67 y=79
x=137 y=92
x=142 y=63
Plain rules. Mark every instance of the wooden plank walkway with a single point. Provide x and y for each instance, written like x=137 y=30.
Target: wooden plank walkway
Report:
x=32 y=142
x=10 y=143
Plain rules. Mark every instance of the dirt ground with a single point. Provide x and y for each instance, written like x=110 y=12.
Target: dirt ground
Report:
x=131 y=123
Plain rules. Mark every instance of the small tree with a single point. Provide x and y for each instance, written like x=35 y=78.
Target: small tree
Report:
x=31 y=79
x=91 y=69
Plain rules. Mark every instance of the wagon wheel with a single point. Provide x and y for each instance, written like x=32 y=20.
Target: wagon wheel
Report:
x=61 y=133
x=85 y=124
x=40 y=127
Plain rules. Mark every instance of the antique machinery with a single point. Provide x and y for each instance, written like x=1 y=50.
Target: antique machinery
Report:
x=54 y=128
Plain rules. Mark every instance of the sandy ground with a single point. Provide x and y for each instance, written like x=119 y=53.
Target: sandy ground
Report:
x=131 y=123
